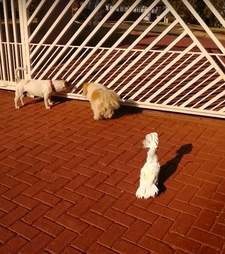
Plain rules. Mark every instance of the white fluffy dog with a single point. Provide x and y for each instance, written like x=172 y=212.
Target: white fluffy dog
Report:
x=150 y=171
x=40 y=88
x=103 y=100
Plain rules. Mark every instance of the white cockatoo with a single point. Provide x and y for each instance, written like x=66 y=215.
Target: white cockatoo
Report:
x=150 y=171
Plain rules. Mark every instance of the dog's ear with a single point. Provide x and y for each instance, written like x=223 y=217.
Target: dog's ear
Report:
x=85 y=88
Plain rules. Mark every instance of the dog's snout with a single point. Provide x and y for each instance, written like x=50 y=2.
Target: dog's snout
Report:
x=66 y=87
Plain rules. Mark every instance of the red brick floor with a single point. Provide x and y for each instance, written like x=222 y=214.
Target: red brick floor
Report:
x=67 y=182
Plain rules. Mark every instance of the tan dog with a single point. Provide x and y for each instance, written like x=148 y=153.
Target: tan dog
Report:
x=103 y=100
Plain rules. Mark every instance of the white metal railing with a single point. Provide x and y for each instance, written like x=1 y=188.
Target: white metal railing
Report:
x=59 y=42
x=121 y=38
x=100 y=43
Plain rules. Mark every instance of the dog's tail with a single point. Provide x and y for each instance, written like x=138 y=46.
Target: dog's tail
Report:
x=17 y=73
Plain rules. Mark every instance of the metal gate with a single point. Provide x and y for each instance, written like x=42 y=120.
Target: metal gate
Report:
x=146 y=53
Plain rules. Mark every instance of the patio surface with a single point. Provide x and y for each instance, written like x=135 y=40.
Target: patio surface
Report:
x=68 y=183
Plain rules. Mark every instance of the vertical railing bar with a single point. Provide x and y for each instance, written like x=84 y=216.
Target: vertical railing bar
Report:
x=43 y=20
x=61 y=34
x=120 y=67
x=12 y=49
x=215 y=12
x=36 y=11
x=122 y=38
x=2 y=63
x=188 y=84
x=1 y=76
x=9 y=64
x=14 y=32
x=91 y=35
x=194 y=38
x=170 y=46
x=21 y=59
x=206 y=28
x=53 y=26
x=148 y=48
x=189 y=92
x=24 y=38
x=174 y=78
x=6 y=62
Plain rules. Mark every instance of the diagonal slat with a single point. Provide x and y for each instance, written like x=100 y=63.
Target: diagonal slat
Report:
x=100 y=43
x=187 y=85
x=36 y=11
x=48 y=13
x=214 y=99
x=54 y=43
x=154 y=61
x=52 y=27
x=203 y=24
x=132 y=46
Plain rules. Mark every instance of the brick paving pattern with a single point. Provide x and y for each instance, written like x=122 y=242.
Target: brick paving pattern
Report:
x=67 y=182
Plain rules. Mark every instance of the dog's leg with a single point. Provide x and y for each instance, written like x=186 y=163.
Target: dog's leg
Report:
x=108 y=114
x=21 y=100
x=46 y=98
x=97 y=116
x=50 y=102
x=96 y=112
x=16 y=102
x=16 y=99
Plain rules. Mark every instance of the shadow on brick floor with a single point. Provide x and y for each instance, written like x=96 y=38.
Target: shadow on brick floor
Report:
x=170 y=167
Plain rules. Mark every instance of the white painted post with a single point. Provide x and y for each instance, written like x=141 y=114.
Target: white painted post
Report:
x=24 y=38
x=15 y=35
x=8 y=53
